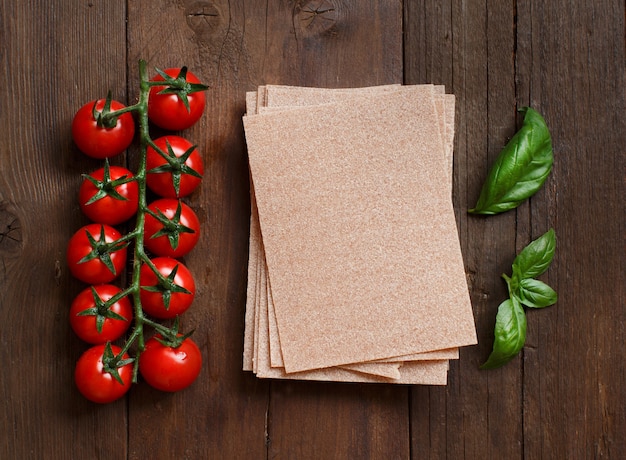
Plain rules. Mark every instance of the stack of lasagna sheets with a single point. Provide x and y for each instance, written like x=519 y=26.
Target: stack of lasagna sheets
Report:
x=355 y=270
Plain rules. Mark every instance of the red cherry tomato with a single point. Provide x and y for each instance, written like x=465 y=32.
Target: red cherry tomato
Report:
x=165 y=174
x=88 y=259
x=168 y=111
x=178 y=290
x=170 y=369
x=176 y=238
x=93 y=322
x=94 y=382
x=102 y=141
x=115 y=202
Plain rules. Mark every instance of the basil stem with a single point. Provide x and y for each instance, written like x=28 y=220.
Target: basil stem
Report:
x=521 y=168
x=510 y=334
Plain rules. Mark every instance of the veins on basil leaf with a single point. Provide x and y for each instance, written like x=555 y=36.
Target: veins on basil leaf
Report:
x=520 y=169
x=510 y=334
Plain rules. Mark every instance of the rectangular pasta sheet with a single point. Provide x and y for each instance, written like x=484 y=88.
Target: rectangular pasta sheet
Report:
x=355 y=265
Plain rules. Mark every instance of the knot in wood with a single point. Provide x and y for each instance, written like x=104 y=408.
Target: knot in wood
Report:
x=11 y=241
x=316 y=16
x=203 y=17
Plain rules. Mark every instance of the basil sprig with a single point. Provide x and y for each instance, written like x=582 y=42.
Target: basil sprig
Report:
x=520 y=169
x=524 y=290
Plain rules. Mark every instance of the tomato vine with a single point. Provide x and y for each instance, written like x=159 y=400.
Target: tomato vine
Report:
x=100 y=129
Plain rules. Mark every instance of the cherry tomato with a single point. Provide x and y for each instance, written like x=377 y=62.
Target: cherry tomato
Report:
x=178 y=236
x=93 y=380
x=170 y=369
x=178 y=289
x=93 y=321
x=105 y=196
x=93 y=256
x=168 y=110
x=100 y=141
x=176 y=177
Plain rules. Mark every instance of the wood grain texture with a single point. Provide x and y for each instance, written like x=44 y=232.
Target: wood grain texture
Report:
x=225 y=403
x=471 y=49
x=563 y=397
x=572 y=69
x=44 y=57
x=535 y=55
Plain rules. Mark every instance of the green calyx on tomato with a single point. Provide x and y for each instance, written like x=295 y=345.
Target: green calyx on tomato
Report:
x=103 y=128
x=107 y=186
x=109 y=195
x=112 y=362
x=101 y=310
x=176 y=99
x=96 y=253
x=170 y=361
x=104 y=373
x=172 y=228
x=101 y=313
x=105 y=118
x=175 y=167
x=180 y=86
x=166 y=285
x=172 y=337
x=102 y=250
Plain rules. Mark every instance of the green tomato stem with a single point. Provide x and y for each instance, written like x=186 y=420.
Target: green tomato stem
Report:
x=140 y=255
x=117 y=113
x=141 y=107
x=116 y=298
x=136 y=235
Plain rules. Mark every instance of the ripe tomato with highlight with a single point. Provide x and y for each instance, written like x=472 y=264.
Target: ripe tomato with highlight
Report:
x=176 y=174
x=97 y=140
x=108 y=196
x=93 y=379
x=167 y=109
x=168 y=294
x=168 y=368
x=94 y=254
x=174 y=232
x=95 y=322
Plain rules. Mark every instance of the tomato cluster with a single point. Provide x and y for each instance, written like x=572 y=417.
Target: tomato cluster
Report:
x=165 y=230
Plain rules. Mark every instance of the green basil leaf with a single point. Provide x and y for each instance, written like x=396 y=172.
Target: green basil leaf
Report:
x=535 y=258
x=520 y=169
x=536 y=294
x=510 y=334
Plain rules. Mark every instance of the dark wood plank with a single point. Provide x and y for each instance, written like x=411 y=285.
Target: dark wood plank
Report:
x=470 y=50
x=51 y=66
x=224 y=411
x=570 y=63
x=570 y=360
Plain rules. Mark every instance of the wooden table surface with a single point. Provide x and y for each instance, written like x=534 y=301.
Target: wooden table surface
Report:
x=563 y=397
